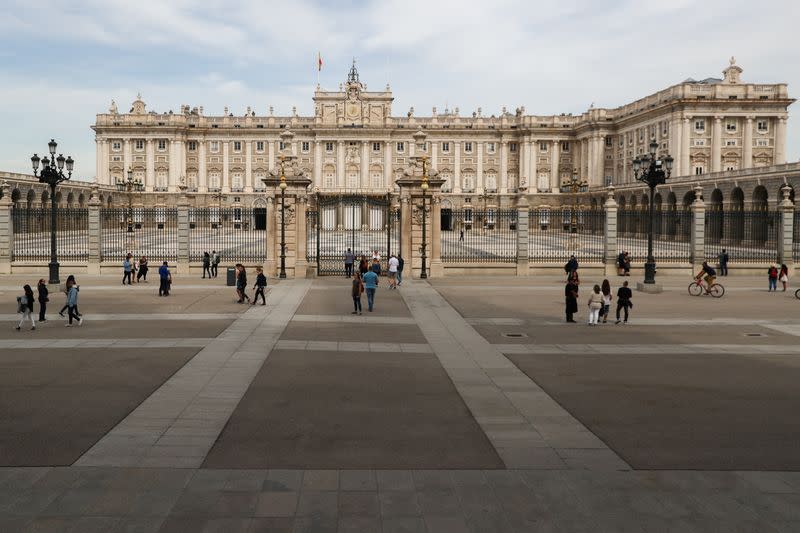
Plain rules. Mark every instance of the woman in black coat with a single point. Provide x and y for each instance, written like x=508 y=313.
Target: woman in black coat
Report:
x=43 y=299
x=571 y=300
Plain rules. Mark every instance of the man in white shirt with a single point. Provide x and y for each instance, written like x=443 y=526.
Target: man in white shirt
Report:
x=393 y=264
x=376 y=255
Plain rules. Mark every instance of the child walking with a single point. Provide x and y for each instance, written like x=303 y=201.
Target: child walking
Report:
x=25 y=306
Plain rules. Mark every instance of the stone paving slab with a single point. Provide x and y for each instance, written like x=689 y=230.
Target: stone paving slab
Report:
x=331 y=296
x=333 y=409
x=142 y=329
x=103 y=343
x=699 y=350
x=354 y=319
x=711 y=411
x=350 y=346
x=333 y=332
x=56 y=404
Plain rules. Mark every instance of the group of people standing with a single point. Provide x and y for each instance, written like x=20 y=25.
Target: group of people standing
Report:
x=210 y=264
x=134 y=272
x=599 y=300
x=26 y=301
x=775 y=275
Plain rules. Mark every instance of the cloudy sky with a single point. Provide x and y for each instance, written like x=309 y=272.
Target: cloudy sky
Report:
x=62 y=61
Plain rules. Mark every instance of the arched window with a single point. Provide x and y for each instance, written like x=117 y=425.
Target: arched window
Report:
x=469 y=182
x=236 y=181
x=491 y=182
x=214 y=180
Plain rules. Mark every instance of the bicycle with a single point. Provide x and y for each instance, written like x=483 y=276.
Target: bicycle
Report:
x=797 y=294
x=696 y=288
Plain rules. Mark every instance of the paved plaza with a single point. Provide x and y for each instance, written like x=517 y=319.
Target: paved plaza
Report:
x=458 y=405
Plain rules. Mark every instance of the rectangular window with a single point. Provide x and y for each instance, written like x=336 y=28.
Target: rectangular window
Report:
x=467 y=147
x=698 y=171
x=192 y=146
x=214 y=146
x=699 y=142
x=445 y=147
x=762 y=142
x=762 y=126
x=116 y=146
x=700 y=125
x=608 y=141
x=376 y=147
x=162 y=145
x=329 y=147
x=730 y=142
x=281 y=145
x=139 y=145
x=490 y=147
x=565 y=146
x=401 y=147
x=543 y=147
x=730 y=126
x=305 y=146
x=512 y=147
x=237 y=146
x=664 y=128
x=259 y=146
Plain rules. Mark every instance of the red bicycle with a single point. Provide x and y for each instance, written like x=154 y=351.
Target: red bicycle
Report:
x=696 y=288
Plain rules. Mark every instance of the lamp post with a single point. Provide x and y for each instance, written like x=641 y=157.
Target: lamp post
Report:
x=218 y=196
x=423 y=273
x=485 y=197
x=128 y=186
x=574 y=185
x=654 y=172
x=282 y=185
x=52 y=174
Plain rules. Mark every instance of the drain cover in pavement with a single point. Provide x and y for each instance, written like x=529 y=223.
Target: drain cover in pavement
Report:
x=514 y=335
x=754 y=335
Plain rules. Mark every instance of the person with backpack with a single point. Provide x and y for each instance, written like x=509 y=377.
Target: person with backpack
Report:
x=72 y=304
x=624 y=295
x=400 y=264
x=214 y=263
x=261 y=284
x=571 y=266
x=165 y=279
x=41 y=288
x=349 y=259
x=772 y=272
x=595 y=305
x=206 y=265
x=356 y=292
x=25 y=307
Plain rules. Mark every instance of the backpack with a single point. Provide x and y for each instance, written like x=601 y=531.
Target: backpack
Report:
x=22 y=304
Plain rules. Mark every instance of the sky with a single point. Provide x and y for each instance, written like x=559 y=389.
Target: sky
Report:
x=63 y=61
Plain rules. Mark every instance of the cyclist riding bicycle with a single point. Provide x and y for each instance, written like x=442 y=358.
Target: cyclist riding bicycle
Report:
x=710 y=273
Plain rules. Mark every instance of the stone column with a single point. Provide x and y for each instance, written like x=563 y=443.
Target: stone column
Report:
x=6 y=230
x=456 y=168
x=600 y=163
x=202 y=178
x=387 y=164
x=530 y=165
x=270 y=265
x=524 y=148
x=780 y=141
x=127 y=161
x=183 y=233
x=434 y=155
x=271 y=154
x=226 y=184
x=94 y=233
x=716 y=145
x=340 y=182
x=248 y=166
x=786 y=229
x=182 y=160
x=554 y=161
x=150 y=165
x=503 y=167
x=590 y=159
x=747 y=143
x=437 y=268
x=364 y=165
x=104 y=173
x=610 y=248
x=675 y=135
x=698 y=233
x=523 y=225
x=318 y=164
x=685 y=147
x=300 y=263
x=480 y=186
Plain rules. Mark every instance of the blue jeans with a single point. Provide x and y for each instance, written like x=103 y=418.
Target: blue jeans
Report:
x=370 y=298
x=399 y=277
x=773 y=284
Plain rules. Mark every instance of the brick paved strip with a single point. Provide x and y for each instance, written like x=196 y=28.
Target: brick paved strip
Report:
x=527 y=427
x=179 y=423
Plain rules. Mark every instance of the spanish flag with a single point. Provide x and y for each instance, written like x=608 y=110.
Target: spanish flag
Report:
x=319 y=61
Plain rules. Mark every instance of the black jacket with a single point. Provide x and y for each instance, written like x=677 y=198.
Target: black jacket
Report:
x=43 y=293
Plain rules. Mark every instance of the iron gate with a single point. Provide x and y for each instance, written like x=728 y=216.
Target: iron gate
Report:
x=364 y=224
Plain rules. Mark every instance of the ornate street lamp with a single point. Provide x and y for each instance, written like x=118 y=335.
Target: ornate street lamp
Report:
x=218 y=196
x=129 y=186
x=52 y=174
x=423 y=274
x=282 y=185
x=654 y=172
x=574 y=185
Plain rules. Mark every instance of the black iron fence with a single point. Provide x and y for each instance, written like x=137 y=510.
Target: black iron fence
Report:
x=31 y=230
x=747 y=236
x=149 y=232
x=555 y=234
x=672 y=233
x=238 y=235
x=479 y=236
x=364 y=224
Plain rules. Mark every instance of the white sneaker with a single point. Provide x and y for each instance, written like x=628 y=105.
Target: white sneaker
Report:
x=80 y=321
x=67 y=325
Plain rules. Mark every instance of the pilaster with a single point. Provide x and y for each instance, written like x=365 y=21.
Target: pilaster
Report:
x=747 y=143
x=786 y=229
x=554 y=162
x=610 y=232
x=697 y=252
x=270 y=265
x=301 y=263
x=183 y=233
x=437 y=268
x=6 y=230
x=716 y=145
x=93 y=265
x=405 y=226
x=523 y=224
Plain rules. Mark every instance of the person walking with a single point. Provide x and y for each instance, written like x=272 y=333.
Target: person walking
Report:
x=571 y=266
x=241 y=283
x=401 y=263
x=206 y=265
x=349 y=259
x=165 y=279
x=624 y=295
x=142 y=274
x=363 y=266
x=461 y=236
x=570 y=300
x=392 y=275
x=214 y=262
x=25 y=306
x=72 y=304
x=261 y=284
x=356 y=291
x=370 y=284
x=127 y=266
x=70 y=282
x=772 y=272
x=595 y=305
x=376 y=265
x=41 y=288
x=606 y=290
x=723 y=263
x=783 y=276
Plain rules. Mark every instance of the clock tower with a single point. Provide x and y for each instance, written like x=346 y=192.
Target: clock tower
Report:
x=353 y=106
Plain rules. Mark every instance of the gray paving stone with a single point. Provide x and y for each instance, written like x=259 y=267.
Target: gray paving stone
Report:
x=397 y=480
x=318 y=504
x=276 y=504
x=359 y=503
x=319 y=480
x=399 y=503
x=359 y=480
